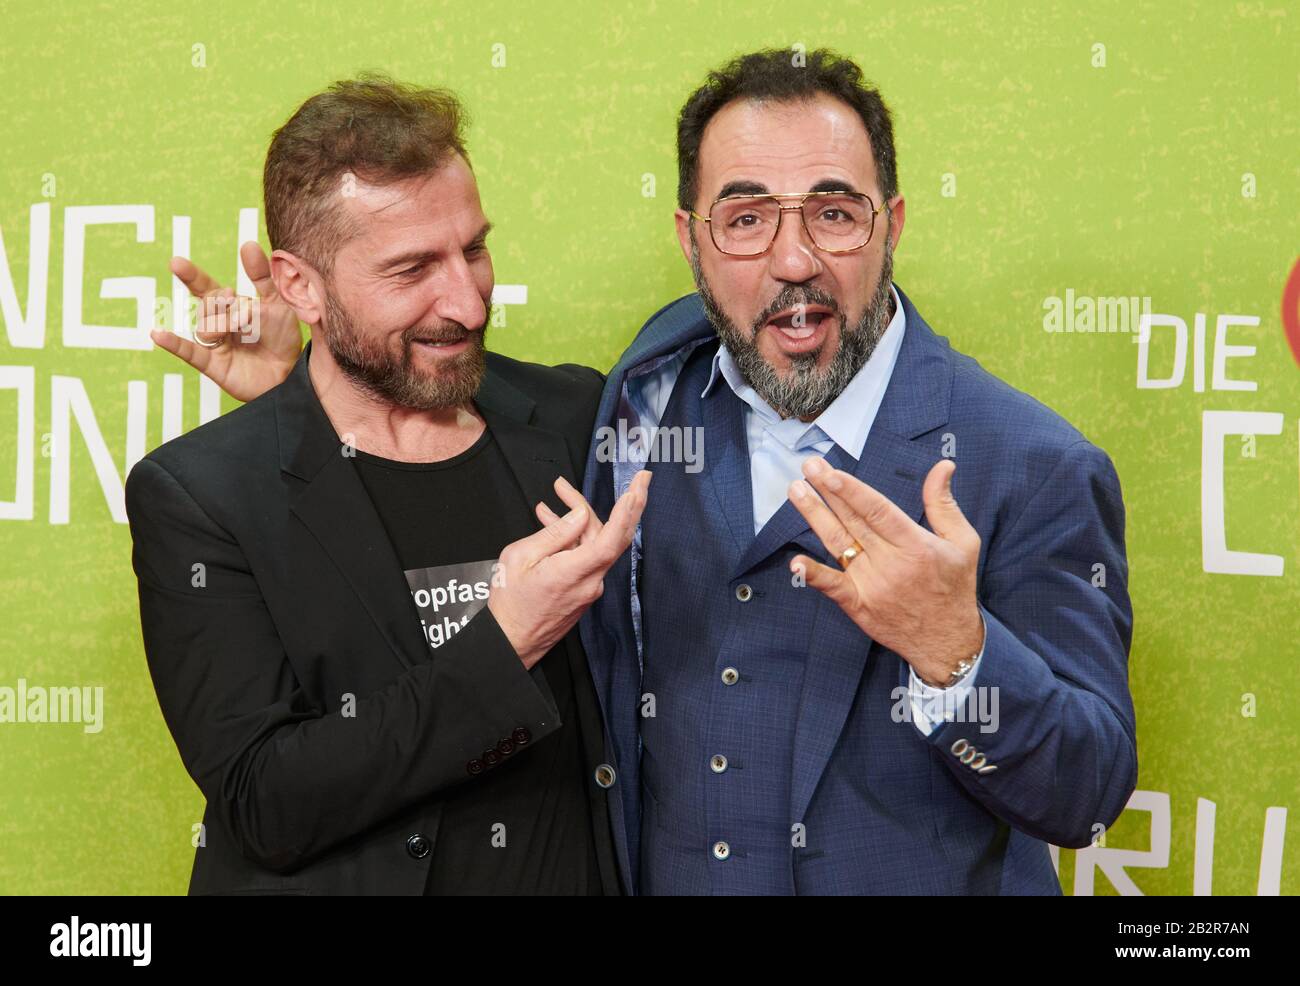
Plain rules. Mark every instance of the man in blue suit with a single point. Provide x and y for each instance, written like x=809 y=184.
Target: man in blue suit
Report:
x=819 y=674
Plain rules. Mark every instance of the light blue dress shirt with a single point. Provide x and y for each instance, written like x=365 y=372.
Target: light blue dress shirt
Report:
x=778 y=448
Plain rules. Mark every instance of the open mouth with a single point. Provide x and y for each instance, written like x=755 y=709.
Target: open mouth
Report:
x=801 y=328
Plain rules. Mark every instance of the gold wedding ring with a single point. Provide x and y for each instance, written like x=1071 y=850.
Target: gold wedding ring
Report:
x=848 y=554
x=210 y=345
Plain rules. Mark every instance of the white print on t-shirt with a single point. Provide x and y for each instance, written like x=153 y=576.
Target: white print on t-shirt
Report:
x=449 y=596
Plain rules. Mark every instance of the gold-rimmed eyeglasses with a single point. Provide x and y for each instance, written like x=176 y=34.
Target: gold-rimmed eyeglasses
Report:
x=746 y=225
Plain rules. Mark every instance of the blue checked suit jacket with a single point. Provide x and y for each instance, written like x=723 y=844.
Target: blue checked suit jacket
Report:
x=898 y=811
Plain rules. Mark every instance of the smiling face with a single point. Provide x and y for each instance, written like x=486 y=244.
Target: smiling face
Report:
x=408 y=298
x=799 y=321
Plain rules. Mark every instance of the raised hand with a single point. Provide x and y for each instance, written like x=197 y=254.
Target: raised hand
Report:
x=909 y=589
x=259 y=337
x=548 y=579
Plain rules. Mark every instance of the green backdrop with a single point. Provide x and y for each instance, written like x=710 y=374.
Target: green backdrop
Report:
x=1121 y=151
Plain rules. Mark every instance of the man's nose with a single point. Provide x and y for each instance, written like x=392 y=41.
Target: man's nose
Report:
x=794 y=255
x=459 y=299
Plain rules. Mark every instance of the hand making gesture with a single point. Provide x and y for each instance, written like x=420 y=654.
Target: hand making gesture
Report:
x=909 y=589
x=244 y=345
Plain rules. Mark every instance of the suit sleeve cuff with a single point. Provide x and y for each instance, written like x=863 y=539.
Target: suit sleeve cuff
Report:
x=484 y=664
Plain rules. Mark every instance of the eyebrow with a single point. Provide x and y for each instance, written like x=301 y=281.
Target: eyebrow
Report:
x=420 y=256
x=758 y=188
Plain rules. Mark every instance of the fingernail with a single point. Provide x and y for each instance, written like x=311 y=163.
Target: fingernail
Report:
x=799 y=489
x=817 y=465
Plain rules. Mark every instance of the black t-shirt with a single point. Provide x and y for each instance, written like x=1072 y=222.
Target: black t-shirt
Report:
x=523 y=827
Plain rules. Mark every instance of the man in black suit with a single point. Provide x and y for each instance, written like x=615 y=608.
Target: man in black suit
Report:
x=361 y=638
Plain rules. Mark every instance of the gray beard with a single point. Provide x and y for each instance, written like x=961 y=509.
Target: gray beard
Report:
x=393 y=379
x=804 y=391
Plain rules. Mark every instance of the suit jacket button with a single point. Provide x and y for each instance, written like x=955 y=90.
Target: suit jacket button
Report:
x=521 y=736
x=506 y=747
x=418 y=846
x=959 y=747
x=491 y=757
x=721 y=850
x=605 y=775
x=475 y=766
x=744 y=593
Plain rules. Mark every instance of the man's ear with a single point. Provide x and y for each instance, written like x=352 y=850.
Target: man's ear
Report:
x=299 y=285
x=898 y=212
x=683 y=220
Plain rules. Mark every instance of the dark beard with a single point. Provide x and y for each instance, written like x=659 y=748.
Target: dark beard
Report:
x=392 y=378
x=804 y=391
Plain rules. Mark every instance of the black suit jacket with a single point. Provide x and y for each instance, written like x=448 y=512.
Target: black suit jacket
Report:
x=272 y=604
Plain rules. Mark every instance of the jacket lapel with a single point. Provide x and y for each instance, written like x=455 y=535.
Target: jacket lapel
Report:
x=726 y=461
x=333 y=505
x=536 y=456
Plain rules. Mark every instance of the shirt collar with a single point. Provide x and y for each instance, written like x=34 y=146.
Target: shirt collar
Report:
x=844 y=421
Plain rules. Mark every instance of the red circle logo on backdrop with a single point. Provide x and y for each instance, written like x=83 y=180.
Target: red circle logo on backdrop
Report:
x=1291 y=311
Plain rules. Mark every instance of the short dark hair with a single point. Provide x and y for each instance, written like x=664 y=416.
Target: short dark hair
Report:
x=372 y=127
x=782 y=75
